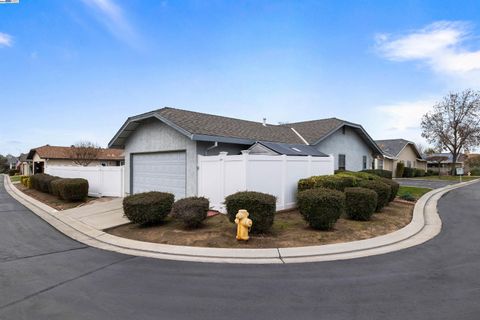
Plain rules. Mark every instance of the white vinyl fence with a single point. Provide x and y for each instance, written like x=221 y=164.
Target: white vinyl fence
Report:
x=102 y=181
x=222 y=175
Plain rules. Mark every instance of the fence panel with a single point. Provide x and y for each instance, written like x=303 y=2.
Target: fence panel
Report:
x=222 y=175
x=102 y=181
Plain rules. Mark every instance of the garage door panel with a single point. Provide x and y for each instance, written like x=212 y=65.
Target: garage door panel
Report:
x=160 y=172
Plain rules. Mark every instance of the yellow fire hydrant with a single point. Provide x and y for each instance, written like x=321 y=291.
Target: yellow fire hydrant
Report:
x=243 y=224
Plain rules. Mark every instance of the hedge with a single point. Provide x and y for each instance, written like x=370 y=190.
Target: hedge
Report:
x=400 y=169
x=409 y=172
x=336 y=182
x=419 y=173
x=260 y=206
x=360 y=203
x=379 y=172
x=148 y=207
x=41 y=182
x=321 y=207
x=359 y=175
x=191 y=211
x=383 y=191
x=12 y=172
x=394 y=186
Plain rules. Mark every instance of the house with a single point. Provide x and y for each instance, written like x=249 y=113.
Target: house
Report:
x=47 y=155
x=399 y=150
x=24 y=165
x=161 y=146
x=442 y=163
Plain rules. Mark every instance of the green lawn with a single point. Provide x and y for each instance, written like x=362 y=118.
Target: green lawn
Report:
x=446 y=178
x=416 y=192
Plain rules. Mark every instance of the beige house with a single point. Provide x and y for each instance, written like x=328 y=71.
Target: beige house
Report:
x=47 y=155
x=399 y=150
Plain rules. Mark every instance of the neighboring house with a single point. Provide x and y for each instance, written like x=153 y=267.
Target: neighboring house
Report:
x=47 y=155
x=443 y=162
x=161 y=146
x=24 y=165
x=12 y=161
x=399 y=150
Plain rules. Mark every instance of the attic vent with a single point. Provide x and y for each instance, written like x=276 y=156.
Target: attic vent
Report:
x=296 y=149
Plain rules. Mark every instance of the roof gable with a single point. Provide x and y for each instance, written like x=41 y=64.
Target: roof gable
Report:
x=57 y=152
x=393 y=147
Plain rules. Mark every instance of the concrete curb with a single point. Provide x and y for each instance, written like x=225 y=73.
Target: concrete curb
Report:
x=425 y=225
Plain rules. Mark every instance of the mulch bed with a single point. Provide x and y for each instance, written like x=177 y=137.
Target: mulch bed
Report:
x=289 y=230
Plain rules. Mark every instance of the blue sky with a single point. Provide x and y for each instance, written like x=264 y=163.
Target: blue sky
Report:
x=75 y=70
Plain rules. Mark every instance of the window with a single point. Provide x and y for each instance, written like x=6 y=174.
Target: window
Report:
x=341 y=162
x=364 y=162
x=103 y=164
x=409 y=164
x=380 y=164
x=343 y=130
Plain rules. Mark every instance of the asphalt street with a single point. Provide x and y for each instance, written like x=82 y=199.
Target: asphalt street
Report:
x=432 y=184
x=45 y=275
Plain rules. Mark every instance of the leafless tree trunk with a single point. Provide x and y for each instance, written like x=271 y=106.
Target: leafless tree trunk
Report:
x=83 y=153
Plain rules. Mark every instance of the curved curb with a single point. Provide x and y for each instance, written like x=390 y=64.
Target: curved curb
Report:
x=425 y=225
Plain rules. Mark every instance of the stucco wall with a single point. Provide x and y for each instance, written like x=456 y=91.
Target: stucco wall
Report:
x=351 y=145
x=154 y=136
x=232 y=149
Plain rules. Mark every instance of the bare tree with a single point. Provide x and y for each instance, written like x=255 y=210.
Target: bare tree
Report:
x=84 y=152
x=420 y=147
x=454 y=123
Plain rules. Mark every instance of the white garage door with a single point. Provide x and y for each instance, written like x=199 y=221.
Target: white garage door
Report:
x=159 y=172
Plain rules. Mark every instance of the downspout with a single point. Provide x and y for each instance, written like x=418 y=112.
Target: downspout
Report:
x=215 y=144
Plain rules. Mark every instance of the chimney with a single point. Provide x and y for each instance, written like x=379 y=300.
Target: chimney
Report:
x=264 y=122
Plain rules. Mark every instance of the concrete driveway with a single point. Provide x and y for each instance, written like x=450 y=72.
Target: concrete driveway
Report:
x=44 y=275
x=431 y=184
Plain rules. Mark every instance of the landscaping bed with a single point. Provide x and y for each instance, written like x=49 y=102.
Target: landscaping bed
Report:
x=289 y=230
x=54 y=201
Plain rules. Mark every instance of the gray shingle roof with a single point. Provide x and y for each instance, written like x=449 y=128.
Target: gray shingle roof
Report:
x=392 y=147
x=314 y=130
x=213 y=125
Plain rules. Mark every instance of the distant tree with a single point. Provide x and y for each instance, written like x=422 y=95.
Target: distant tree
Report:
x=430 y=151
x=473 y=161
x=3 y=164
x=84 y=152
x=420 y=147
x=454 y=123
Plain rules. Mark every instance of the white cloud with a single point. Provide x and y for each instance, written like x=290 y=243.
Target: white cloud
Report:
x=441 y=45
x=5 y=40
x=112 y=16
x=401 y=119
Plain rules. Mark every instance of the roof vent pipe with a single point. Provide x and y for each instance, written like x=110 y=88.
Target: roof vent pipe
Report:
x=264 y=122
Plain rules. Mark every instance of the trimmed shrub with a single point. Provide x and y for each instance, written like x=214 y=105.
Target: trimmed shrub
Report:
x=360 y=203
x=41 y=182
x=191 y=211
x=148 y=207
x=321 y=207
x=475 y=172
x=419 y=173
x=407 y=196
x=23 y=180
x=305 y=184
x=75 y=189
x=394 y=186
x=379 y=172
x=383 y=192
x=50 y=185
x=335 y=182
x=400 y=169
x=409 y=172
x=431 y=173
x=260 y=206
x=359 y=175
x=12 y=172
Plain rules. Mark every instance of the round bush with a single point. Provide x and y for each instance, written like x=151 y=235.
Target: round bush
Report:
x=70 y=189
x=148 y=207
x=321 y=207
x=394 y=186
x=191 y=211
x=260 y=206
x=360 y=203
x=383 y=191
x=41 y=182
x=335 y=182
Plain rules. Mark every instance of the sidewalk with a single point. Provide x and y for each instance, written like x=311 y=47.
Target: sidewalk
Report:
x=86 y=224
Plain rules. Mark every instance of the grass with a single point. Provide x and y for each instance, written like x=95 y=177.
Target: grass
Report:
x=415 y=192
x=15 y=178
x=446 y=178
x=289 y=230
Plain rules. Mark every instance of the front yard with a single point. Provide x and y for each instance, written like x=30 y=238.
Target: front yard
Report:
x=446 y=178
x=289 y=230
x=415 y=192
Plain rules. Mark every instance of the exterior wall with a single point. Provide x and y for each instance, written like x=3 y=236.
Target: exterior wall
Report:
x=408 y=154
x=387 y=164
x=351 y=145
x=154 y=136
x=232 y=149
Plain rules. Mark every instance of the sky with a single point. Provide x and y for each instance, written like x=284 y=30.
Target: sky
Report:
x=76 y=70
